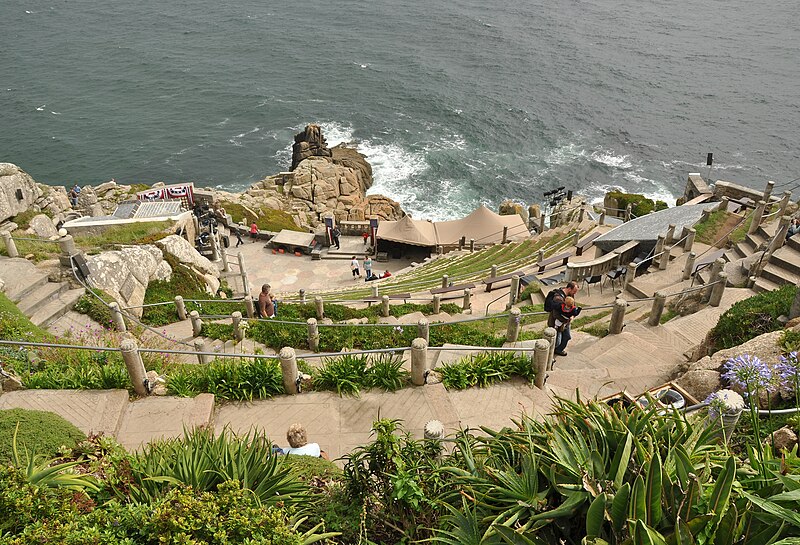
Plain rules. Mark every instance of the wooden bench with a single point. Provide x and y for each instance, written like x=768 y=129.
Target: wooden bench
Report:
x=395 y=296
x=585 y=243
x=563 y=258
x=495 y=279
x=448 y=289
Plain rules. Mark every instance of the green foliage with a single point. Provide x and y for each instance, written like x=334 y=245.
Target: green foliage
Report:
x=531 y=289
x=38 y=249
x=39 y=432
x=146 y=232
x=348 y=374
x=708 y=231
x=752 y=317
x=267 y=219
x=589 y=318
x=790 y=341
x=640 y=205
x=14 y=325
x=596 y=330
x=483 y=370
x=205 y=462
x=94 y=308
x=230 y=378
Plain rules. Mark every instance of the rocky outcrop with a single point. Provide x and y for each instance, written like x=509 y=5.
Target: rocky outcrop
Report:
x=309 y=143
x=42 y=226
x=783 y=439
x=509 y=208
x=18 y=191
x=124 y=274
x=180 y=249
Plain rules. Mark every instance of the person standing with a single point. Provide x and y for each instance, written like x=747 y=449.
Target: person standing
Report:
x=266 y=306
x=73 y=195
x=254 y=231
x=335 y=234
x=553 y=304
x=367 y=267
x=239 y=240
x=354 y=267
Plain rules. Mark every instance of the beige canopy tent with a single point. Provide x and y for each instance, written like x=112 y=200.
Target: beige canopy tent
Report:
x=483 y=225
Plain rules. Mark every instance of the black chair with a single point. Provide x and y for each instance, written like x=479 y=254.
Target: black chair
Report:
x=589 y=280
x=615 y=275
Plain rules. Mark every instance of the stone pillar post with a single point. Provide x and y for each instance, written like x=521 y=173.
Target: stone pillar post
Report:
x=716 y=268
x=723 y=204
x=313 y=334
x=505 y=234
x=657 y=309
x=180 y=307
x=303 y=296
x=385 y=306
x=718 y=289
x=628 y=212
x=780 y=235
x=768 y=191
x=226 y=267
x=794 y=312
x=602 y=220
x=630 y=275
x=243 y=272
x=576 y=236
x=659 y=248
x=214 y=248
x=512 y=331
x=375 y=291
x=437 y=303
x=197 y=323
x=689 y=242
x=419 y=361
x=289 y=369
x=116 y=317
x=67 y=245
x=540 y=349
x=134 y=365
x=471 y=245
x=11 y=246
x=445 y=280
x=200 y=346
x=513 y=291
x=250 y=306
x=758 y=213
x=434 y=430
x=196 y=222
x=688 y=268
x=784 y=202
x=617 y=317
x=581 y=213
x=542 y=224
x=664 y=261
x=705 y=215
x=670 y=236
x=467 y=304
x=493 y=274
x=423 y=329
x=549 y=335
x=236 y=321
x=320 y=307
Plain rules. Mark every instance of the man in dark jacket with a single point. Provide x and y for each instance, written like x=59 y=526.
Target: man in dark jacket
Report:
x=562 y=337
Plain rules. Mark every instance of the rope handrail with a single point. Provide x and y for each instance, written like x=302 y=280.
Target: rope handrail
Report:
x=34 y=239
x=237 y=300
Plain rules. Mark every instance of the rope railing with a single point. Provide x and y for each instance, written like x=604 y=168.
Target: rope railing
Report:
x=27 y=239
x=726 y=235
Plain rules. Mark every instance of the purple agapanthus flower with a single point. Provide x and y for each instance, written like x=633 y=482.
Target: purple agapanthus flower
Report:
x=789 y=369
x=749 y=373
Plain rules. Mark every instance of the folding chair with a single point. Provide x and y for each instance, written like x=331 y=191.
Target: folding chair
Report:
x=589 y=280
x=615 y=275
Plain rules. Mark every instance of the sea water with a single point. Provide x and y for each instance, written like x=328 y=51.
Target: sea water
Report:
x=454 y=103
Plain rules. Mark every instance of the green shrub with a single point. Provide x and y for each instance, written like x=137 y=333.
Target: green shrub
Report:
x=15 y=326
x=640 y=205
x=531 y=289
x=482 y=370
x=40 y=432
x=239 y=379
x=94 y=308
x=350 y=373
x=752 y=317
x=267 y=219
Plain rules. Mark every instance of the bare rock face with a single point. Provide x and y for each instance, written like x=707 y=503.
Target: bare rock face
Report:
x=182 y=250
x=700 y=382
x=13 y=180
x=309 y=143
x=124 y=274
x=86 y=201
x=509 y=208
x=42 y=226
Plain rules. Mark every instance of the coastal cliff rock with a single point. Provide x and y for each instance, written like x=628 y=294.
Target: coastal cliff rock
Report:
x=509 y=208
x=124 y=274
x=309 y=143
x=182 y=250
x=13 y=180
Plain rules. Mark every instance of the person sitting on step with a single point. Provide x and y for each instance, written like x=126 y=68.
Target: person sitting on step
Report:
x=298 y=443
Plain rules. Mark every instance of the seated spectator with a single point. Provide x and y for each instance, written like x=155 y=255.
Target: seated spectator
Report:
x=298 y=443
x=794 y=228
x=386 y=274
x=372 y=276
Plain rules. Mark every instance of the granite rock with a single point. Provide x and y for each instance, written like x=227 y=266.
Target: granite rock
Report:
x=12 y=179
x=42 y=226
x=182 y=250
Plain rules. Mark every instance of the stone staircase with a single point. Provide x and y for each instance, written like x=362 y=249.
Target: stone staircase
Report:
x=782 y=268
x=36 y=296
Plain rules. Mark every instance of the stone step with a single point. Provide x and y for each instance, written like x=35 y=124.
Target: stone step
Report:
x=21 y=278
x=56 y=307
x=794 y=243
x=787 y=258
x=762 y=285
x=778 y=275
x=590 y=383
x=34 y=300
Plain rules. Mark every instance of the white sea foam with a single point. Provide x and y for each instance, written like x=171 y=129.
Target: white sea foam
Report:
x=565 y=154
x=55 y=113
x=609 y=159
x=41 y=108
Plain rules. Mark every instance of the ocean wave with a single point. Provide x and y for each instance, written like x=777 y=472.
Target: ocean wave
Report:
x=608 y=158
